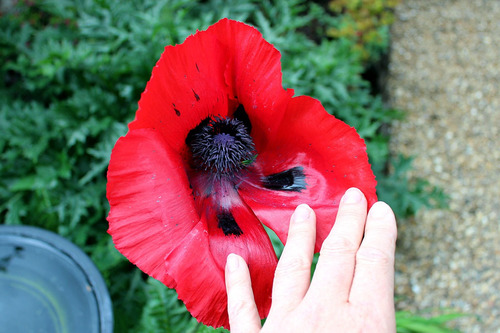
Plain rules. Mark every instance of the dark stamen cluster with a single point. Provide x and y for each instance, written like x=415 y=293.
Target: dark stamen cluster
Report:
x=221 y=146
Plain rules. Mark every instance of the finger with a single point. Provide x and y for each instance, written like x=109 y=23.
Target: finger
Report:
x=373 y=283
x=241 y=308
x=335 y=268
x=293 y=272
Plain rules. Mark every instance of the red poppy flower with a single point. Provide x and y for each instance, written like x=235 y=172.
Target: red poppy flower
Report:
x=218 y=148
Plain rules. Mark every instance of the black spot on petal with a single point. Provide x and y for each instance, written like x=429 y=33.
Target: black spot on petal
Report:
x=177 y=112
x=228 y=224
x=197 y=68
x=292 y=179
x=196 y=95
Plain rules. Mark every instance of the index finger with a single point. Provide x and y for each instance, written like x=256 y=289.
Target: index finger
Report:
x=293 y=272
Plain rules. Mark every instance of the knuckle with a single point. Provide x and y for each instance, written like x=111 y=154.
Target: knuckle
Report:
x=338 y=245
x=388 y=232
x=372 y=255
x=352 y=214
x=237 y=307
x=295 y=264
x=300 y=232
x=239 y=288
x=238 y=283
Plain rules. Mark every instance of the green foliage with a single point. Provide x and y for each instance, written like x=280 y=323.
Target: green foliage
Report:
x=411 y=323
x=72 y=73
x=408 y=196
x=163 y=312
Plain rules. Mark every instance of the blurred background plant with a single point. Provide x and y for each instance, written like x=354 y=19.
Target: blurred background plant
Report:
x=73 y=71
x=366 y=23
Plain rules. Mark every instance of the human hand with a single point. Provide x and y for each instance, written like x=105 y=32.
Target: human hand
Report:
x=353 y=286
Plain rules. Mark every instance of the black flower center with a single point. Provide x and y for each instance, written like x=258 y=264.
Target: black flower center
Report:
x=221 y=146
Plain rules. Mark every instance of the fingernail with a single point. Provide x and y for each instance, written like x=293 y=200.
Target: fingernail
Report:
x=232 y=262
x=379 y=210
x=352 y=195
x=302 y=213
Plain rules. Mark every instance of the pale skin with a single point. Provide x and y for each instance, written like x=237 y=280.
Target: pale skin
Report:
x=353 y=286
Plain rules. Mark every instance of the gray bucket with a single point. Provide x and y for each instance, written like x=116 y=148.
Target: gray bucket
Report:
x=47 y=284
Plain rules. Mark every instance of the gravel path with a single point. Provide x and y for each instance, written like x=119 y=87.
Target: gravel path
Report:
x=445 y=72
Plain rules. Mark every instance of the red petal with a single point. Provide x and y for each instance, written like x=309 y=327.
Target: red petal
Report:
x=254 y=75
x=210 y=74
x=187 y=85
x=198 y=265
x=333 y=157
x=151 y=204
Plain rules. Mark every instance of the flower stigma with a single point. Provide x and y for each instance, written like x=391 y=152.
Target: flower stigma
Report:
x=221 y=146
